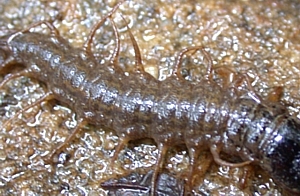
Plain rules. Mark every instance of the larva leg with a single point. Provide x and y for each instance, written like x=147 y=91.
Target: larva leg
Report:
x=227 y=76
x=234 y=80
x=5 y=65
x=120 y=185
x=45 y=22
x=76 y=130
x=49 y=25
x=88 y=43
x=9 y=77
x=114 y=57
x=137 y=52
x=122 y=143
x=178 y=63
x=209 y=73
x=46 y=97
x=162 y=149
x=68 y=9
x=25 y=72
x=5 y=60
x=251 y=92
x=274 y=96
x=246 y=177
x=230 y=79
x=194 y=154
x=177 y=66
x=215 y=150
x=205 y=164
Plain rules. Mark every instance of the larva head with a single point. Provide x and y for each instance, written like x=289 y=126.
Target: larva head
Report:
x=282 y=155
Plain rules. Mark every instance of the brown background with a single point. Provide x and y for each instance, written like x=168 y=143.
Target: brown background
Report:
x=260 y=38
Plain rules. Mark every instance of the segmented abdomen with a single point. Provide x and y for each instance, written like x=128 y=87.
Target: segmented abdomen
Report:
x=136 y=106
x=172 y=112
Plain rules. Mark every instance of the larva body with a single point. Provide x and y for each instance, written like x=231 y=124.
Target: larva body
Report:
x=172 y=112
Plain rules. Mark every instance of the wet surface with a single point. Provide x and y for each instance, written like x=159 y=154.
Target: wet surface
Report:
x=259 y=38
